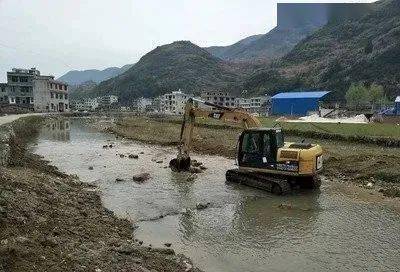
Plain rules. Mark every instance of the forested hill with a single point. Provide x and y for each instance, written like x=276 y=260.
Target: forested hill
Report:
x=362 y=50
x=179 y=65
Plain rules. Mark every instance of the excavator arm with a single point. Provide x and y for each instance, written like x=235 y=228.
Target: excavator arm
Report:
x=224 y=114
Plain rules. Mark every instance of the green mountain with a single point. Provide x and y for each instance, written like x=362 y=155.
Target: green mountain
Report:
x=179 y=65
x=340 y=53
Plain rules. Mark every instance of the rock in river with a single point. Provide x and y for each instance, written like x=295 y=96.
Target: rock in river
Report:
x=140 y=178
x=202 y=206
x=133 y=156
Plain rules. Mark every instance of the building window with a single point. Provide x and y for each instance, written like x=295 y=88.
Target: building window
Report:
x=23 y=79
x=52 y=95
x=65 y=87
x=25 y=89
x=66 y=106
x=56 y=86
x=66 y=96
x=3 y=89
x=51 y=85
x=14 y=79
x=52 y=106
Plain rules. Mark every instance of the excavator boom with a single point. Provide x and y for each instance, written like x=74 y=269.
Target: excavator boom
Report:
x=224 y=114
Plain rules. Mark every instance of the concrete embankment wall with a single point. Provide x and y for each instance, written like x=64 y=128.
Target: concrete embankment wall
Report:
x=6 y=134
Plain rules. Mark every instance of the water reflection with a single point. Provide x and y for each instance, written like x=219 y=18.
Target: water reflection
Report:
x=56 y=130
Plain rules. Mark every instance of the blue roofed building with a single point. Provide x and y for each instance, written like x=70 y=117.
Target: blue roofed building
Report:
x=397 y=106
x=296 y=103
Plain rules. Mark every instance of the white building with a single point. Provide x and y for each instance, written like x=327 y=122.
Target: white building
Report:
x=26 y=88
x=88 y=104
x=218 y=97
x=174 y=103
x=243 y=103
x=256 y=105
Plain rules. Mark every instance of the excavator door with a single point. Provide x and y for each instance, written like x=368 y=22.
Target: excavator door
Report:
x=258 y=148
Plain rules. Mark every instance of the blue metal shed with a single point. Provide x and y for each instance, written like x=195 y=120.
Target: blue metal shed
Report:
x=397 y=106
x=296 y=103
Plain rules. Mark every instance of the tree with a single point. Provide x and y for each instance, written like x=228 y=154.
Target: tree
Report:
x=376 y=95
x=357 y=96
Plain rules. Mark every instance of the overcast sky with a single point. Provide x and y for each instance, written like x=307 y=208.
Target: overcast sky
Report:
x=61 y=35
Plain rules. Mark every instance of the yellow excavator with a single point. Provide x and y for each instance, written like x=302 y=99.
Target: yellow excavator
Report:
x=264 y=160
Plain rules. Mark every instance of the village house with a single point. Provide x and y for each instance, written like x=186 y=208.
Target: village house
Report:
x=174 y=103
x=26 y=88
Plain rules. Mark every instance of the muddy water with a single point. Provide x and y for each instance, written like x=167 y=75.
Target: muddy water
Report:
x=243 y=229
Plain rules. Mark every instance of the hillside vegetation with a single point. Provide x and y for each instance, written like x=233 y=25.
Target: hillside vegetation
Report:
x=263 y=48
x=365 y=50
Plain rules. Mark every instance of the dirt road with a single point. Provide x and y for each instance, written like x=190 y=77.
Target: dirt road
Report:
x=5 y=119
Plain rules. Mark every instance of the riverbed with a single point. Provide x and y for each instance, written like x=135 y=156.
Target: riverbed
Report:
x=242 y=229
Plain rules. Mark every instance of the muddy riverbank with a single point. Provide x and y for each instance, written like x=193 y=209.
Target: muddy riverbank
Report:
x=370 y=166
x=51 y=221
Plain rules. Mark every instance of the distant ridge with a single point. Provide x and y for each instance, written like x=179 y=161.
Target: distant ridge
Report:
x=295 y=22
x=78 y=77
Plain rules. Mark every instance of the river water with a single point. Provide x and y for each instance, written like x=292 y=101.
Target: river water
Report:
x=243 y=229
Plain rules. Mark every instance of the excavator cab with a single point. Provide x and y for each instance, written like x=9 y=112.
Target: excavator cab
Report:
x=258 y=147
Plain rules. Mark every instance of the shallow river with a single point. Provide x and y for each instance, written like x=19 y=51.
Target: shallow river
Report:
x=243 y=229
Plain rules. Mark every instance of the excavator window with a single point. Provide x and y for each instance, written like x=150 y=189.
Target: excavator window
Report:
x=251 y=149
x=251 y=143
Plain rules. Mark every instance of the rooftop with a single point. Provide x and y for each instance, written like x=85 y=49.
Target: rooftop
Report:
x=306 y=94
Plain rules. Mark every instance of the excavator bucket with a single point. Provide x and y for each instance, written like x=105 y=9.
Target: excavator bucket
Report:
x=180 y=164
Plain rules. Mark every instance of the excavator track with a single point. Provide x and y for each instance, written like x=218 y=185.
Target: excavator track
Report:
x=273 y=184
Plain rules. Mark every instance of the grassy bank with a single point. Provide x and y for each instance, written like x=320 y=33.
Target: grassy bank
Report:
x=387 y=135
x=345 y=161
x=50 y=221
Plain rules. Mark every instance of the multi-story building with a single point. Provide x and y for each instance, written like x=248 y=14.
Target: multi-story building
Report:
x=256 y=105
x=218 y=97
x=174 y=103
x=243 y=103
x=260 y=104
x=88 y=104
x=26 y=88
x=50 y=94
